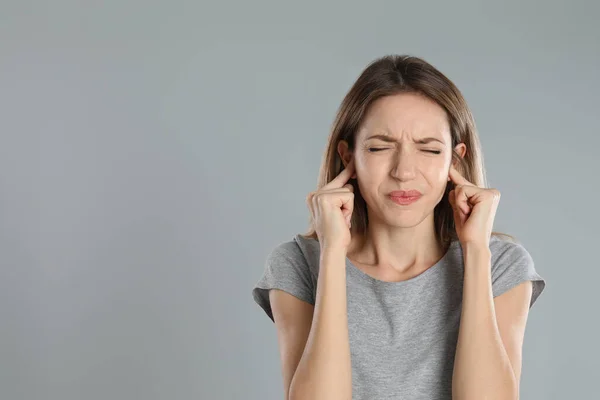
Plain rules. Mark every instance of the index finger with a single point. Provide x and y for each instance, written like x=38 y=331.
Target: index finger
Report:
x=343 y=177
x=457 y=178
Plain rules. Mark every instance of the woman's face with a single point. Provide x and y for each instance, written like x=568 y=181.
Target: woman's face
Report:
x=404 y=143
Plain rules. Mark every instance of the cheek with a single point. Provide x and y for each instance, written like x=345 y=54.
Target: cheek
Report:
x=369 y=178
x=436 y=171
x=370 y=171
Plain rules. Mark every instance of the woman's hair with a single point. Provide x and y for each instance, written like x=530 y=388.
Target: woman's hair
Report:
x=390 y=75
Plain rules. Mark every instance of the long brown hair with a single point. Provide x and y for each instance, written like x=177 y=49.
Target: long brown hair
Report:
x=394 y=74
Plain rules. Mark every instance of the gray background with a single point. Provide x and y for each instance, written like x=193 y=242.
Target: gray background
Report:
x=153 y=152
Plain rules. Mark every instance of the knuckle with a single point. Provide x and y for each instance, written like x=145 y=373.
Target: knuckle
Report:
x=309 y=196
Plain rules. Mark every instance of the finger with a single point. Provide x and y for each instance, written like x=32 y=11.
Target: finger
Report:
x=342 y=201
x=470 y=191
x=452 y=198
x=343 y=189
x=457 y=178
x=342 y=177
x=336 y=197
x=461 y=198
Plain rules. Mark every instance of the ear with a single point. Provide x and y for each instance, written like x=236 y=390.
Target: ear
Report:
x=345 y=154
x=461 y=149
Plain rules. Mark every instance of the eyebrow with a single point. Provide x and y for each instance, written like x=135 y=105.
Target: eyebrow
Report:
x=387 y=138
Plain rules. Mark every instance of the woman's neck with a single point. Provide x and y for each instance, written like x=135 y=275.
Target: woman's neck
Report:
x=401 y=250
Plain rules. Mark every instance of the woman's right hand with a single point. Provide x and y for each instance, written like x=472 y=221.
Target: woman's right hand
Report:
x=331 y=208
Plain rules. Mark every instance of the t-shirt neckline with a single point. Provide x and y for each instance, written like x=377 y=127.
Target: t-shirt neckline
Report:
x=360 y=274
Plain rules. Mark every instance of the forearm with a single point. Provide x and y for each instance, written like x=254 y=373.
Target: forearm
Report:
x=324 y=371
x=482 y=369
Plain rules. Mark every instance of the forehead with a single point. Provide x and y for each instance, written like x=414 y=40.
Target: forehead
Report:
x=405 y=115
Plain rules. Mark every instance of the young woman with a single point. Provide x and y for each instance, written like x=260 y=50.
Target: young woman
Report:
x=401 y=290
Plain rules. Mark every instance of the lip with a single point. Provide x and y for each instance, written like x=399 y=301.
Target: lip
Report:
x=405 y=197
x=404 y=201
x=406 y=193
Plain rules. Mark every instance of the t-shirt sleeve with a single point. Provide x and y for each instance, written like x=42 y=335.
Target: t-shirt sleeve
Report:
x=513 y=266
x=285 y=269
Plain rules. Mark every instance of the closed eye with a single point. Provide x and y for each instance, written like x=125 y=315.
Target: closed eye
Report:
x=375 y=149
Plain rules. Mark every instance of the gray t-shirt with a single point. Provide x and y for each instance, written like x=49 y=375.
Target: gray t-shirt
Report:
x=402 y=335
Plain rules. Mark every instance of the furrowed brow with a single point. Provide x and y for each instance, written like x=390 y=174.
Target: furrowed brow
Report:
x=387 y=138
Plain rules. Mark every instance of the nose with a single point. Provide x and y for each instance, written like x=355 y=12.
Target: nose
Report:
x=404 y=165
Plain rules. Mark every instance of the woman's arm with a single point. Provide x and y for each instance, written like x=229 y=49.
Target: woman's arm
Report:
x=324 y=370
x=293 y=318
x=482 y=368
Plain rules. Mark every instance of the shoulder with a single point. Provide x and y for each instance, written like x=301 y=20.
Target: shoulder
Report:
x=288 y=250
x=506 y=252
x=506 y=255
x=286 y=269
x=512 y=264
x=310 y=250
x=300 y=252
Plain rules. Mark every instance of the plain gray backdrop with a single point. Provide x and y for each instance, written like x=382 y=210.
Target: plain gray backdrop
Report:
x=154 y=152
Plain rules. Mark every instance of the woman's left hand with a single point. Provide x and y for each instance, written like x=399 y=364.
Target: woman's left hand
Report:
x=474 y=210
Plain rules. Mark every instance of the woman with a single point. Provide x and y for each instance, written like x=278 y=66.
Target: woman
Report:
x=400 y=290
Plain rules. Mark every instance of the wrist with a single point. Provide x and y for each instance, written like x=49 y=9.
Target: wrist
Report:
x=333 y=250
x=475 y=246
x=476 y=251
